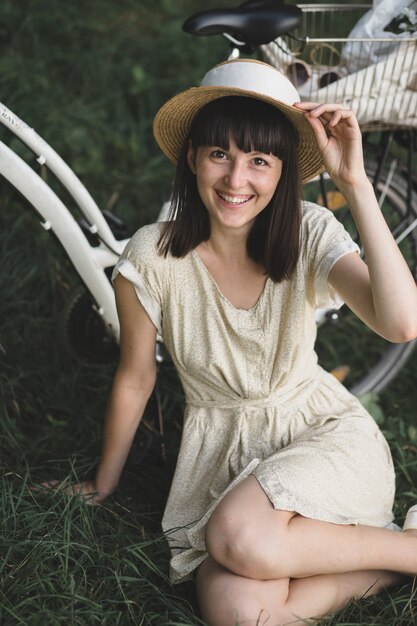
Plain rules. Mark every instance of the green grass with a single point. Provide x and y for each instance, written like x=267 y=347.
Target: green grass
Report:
x=89 y=77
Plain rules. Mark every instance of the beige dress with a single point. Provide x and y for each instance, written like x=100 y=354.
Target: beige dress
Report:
x=256 y=400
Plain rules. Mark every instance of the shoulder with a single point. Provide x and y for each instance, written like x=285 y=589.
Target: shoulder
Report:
x=320 y=228
x=314 y=216
x=142 y=247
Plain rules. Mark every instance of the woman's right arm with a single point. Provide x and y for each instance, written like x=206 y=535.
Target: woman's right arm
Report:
x=132 y=386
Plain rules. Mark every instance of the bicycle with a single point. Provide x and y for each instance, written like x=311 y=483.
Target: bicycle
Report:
x=94 y=242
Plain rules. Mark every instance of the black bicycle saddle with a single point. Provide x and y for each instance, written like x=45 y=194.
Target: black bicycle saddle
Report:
x=254 y=22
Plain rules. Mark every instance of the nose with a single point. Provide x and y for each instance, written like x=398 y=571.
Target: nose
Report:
x=236 y=176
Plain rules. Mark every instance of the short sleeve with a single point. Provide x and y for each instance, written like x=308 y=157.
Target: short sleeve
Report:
x=141 y=264
x=324 y=240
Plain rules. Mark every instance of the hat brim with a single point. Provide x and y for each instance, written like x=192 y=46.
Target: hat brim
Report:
x=173 y=121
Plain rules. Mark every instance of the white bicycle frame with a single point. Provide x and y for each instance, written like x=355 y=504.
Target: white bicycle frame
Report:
x=89 y=261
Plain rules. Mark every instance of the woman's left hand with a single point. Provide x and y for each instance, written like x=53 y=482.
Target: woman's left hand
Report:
x=339 y=140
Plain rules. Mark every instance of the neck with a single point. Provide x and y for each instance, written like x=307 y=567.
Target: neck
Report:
x=228 y=244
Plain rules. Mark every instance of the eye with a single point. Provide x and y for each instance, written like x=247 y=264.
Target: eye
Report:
x=259 y=161
x=218 y=154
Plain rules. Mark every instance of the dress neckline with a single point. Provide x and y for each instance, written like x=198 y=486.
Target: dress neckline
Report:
x=201 y=263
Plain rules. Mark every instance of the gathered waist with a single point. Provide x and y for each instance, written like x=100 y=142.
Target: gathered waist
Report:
x=297 y=393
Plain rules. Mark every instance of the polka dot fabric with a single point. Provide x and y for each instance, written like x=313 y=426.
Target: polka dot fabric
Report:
x=257 y=402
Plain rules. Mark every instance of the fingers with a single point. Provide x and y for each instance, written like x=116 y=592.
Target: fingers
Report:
x=317 y=108
x=86 y=490
x=310 y=106
x=318 y=126
x=58 y=485
x=328 y=113
x=47 y=484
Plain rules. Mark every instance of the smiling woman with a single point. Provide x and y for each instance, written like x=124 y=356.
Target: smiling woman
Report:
x=282 y=476
x=234 y=186
x=65 y=561
x=257 y=512
x=231 y=144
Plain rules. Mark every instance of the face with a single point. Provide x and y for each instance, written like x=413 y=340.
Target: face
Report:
x=234 y=186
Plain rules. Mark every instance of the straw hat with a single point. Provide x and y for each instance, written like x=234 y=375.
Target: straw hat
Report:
x=240 y=77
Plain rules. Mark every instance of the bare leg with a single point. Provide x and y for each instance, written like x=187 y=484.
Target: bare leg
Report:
x=249 y=537
x=227 y=599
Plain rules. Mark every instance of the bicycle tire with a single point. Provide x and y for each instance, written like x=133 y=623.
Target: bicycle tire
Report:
x=85 y=333
x=388 y=359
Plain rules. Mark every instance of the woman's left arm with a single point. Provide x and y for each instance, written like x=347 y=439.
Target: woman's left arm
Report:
x=381 y=292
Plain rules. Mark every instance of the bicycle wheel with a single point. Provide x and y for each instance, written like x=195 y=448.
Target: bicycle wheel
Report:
x=85 y=332
x=362 y=360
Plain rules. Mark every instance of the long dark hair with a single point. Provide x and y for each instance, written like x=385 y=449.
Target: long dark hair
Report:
x=254 y=125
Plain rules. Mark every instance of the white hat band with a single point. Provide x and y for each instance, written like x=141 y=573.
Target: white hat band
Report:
x=240 y=77
x=251 y=76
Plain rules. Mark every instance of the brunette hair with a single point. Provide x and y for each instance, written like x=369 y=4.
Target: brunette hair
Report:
x=254 y=125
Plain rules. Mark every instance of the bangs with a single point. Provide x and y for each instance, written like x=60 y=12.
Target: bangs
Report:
x=254 y=126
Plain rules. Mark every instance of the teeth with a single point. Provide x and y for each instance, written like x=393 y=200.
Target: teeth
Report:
x=233 y=199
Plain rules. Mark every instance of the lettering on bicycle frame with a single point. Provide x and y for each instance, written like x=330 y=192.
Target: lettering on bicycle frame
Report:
x=11 y=118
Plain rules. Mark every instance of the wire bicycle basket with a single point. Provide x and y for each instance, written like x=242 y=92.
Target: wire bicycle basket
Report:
x=375 y=77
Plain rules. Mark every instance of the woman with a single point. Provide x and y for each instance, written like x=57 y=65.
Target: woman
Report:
x=284 y=483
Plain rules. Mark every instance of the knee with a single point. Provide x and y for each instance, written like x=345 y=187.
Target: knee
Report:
x=227 y=539
x=236 y=543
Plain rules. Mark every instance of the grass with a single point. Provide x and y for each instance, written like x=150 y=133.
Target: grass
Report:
x=89 y=77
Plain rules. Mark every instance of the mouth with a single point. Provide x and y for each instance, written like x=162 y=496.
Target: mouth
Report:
x=234 y=200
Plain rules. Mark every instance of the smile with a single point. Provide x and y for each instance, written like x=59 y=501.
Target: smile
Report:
x=233 y=199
